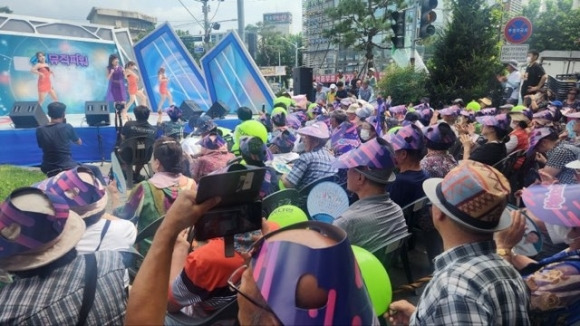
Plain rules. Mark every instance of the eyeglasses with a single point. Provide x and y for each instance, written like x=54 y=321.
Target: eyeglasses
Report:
x=235 y=281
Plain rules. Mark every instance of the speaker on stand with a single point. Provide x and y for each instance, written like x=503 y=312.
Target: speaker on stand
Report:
x=97 y=115
x=302 y=78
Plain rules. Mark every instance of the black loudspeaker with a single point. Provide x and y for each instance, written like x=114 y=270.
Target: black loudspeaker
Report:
x=97 y=113
x=302 y=77
x=27 y=115
x=189 y=110
x=217 y=110
x=252 y=41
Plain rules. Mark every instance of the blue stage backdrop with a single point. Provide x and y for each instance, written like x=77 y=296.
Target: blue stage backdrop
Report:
x=162 y=48
x=233 y=78
x=79 y=69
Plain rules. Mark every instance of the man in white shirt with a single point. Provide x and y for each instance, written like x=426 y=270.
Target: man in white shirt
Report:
x=511 y=83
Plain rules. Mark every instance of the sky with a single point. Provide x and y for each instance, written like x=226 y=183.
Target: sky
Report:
x=164 y=10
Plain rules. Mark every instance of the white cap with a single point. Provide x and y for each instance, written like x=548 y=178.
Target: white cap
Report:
x=333 y=86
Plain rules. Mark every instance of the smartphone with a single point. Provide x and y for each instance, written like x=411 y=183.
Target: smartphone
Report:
x=239 y=210
x=228 y=221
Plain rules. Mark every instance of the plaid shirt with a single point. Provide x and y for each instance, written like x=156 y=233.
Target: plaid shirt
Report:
x=472 y=285
x=310 y=167
x=55 y=298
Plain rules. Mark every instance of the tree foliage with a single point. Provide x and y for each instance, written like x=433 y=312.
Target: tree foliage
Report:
x=466 y=57
x=5 y=10
x=404 y=84
x=556 y=28
x=361 y=25
x=272 y=43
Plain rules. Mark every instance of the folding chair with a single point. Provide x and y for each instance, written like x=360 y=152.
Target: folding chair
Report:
x=391 y=248
x=279 y=198
x=136 y=151
x=418 y=217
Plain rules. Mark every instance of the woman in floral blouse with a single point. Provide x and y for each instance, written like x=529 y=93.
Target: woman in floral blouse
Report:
x=439 y=138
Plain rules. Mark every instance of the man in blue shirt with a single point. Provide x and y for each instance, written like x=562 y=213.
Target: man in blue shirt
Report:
x=54 y=139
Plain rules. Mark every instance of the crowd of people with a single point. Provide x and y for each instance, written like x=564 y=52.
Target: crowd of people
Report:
x=484 y=170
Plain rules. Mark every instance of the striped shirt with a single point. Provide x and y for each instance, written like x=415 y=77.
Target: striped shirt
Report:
x=472 y=285
x=310 y=167
x=56 y=298
x=204 y=279
x=372 y=222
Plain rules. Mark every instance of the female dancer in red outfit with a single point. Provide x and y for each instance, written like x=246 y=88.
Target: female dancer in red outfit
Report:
x=163 y=89
x=133 y=88
x=44 y=85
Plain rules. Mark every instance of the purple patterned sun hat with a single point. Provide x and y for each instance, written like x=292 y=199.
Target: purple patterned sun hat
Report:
x=450 y=111
x=440 y=136
x=501 y=121
x=557 y=204
x=488 y=111
x=375 y=159
x=408 y=137
x=399 y=109
x=212 y=141
x=36 y=229
x=544 y=115
x=284 y=141
x=295 y=120
x=536 y=136
x=347 y=302
x=344 y=138
x=316 y=130
x=80 y=189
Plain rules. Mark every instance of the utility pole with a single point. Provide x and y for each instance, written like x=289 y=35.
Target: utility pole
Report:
x=241 y=21
x=205 y=10
x=415 y=17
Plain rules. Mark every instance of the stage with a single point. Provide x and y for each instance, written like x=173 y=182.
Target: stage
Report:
x=19 y=147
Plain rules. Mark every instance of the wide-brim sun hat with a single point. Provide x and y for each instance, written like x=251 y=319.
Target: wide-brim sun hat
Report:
x=317 y=130
x=556 y=204
x=536 y=136
x=574 y=165
x=352 y=108
x=373 y=159
x=474 y=195
x=38 y=228
x=82 y=191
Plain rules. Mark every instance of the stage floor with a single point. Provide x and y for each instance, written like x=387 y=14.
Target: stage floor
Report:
x=19 y=147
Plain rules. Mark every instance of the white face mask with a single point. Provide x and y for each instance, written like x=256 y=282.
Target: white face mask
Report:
x=559 y=233
x=529 y=60
x=365 y=134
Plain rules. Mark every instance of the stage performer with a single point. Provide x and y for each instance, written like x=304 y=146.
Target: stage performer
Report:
x=43 y=71
x=116 y=91
x=134 y=91
x=163 y=90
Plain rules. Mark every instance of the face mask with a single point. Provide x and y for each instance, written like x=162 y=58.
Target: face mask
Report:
x=365 y=134
x=300 y=147
x=529 y=60
x=558 y=233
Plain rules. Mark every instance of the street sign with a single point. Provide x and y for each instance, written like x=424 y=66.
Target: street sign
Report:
x=518 y=30
x=198 y=50
x=517 y=52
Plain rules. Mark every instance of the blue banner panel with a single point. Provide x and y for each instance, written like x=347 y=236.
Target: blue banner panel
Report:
x=163 y=49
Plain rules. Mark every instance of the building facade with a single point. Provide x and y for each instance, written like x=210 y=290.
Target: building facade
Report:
x=136 y=22
x=279 y=21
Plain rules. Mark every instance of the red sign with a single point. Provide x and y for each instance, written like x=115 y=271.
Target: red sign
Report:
x=518 y=30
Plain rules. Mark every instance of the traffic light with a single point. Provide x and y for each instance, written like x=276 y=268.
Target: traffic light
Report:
x=398 y=28
x=428 y=16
